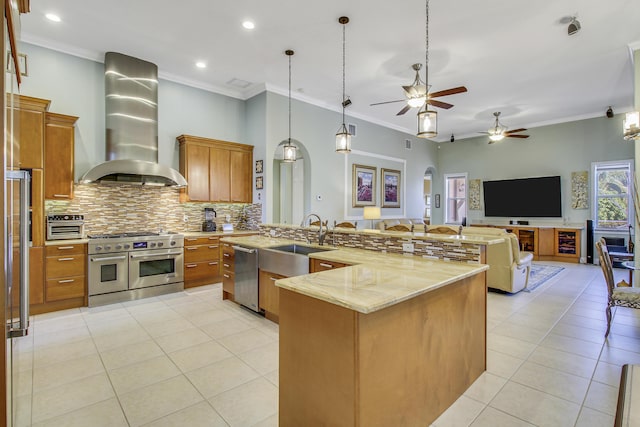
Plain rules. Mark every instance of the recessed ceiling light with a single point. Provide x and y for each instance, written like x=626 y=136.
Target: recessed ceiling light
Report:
x=201 y=64
x=249 y=25
x=52 y=17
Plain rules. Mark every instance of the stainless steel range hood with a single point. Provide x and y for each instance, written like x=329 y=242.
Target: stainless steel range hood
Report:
x=131 y=88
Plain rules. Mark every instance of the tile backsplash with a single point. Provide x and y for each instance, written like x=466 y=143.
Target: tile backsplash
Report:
x=119 y=207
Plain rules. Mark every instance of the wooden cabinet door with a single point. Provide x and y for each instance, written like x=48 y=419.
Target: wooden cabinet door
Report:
x=241 y=176
x=37 y=207
x=219 y=179
x=197 y=172
x=546 y=242
x=269 y=293
x=59 y=156
x=36 y=275
x=29 y=134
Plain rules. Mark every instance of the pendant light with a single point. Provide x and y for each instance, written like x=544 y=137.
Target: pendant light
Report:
x=289 y=151
x=343 y=137
x=427 y=119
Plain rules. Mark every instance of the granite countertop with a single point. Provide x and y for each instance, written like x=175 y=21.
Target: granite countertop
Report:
x=375 y=280
x=218 y=233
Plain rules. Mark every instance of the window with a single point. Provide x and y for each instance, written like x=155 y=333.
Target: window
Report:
x=455 y=196
x=613 y=195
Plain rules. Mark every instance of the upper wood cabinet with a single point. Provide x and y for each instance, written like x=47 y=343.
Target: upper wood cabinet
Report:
x=216 y=171
x=28 y=131
x=58 y=156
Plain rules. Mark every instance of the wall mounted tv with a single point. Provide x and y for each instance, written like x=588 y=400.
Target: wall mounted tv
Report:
x=527 y=197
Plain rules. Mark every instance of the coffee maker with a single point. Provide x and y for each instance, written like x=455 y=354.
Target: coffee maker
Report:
x=209 y=224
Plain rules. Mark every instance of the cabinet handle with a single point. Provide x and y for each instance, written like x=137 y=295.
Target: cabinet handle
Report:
x=213 y=246
x=226 y=276
x=191 y=249
x=66 y=259
x=63 y=196
x=213 y=263
x=226 y=254
x=226 y=244
x=213 y=238
x=322 y=264
x=191 y=265
x=66 y=281
x=226 y=265
x=64 y=248
x=273 y=279
x=191 y=240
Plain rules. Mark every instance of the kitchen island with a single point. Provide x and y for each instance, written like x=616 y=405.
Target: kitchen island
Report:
x=391 y=340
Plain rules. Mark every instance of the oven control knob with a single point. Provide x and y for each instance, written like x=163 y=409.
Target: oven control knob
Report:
x=118 y=247
x=107 y=248
x=98 y=248
x=160 y=244
x=152 y=245
x=173 y=243
x=127 y=246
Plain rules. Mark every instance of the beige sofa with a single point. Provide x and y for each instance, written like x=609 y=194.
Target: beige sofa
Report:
x=417 y=223
x=509 y=267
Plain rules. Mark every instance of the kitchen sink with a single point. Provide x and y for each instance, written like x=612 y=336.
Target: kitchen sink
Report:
x=287 y=260
x=300 y=249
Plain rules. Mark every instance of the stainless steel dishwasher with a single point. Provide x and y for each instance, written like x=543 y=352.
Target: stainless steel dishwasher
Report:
x=246 y=277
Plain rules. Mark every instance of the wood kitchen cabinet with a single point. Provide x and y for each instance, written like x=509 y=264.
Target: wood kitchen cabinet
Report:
x=228 y=271
x=567 y=244
x=316 y=265
x=269 y=294
x=201 y=260
x=65 y=277
x=216 y=171
x=28 y=135
x=58 y=156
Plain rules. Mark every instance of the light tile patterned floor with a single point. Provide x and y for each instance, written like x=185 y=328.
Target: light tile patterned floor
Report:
x=191 y=359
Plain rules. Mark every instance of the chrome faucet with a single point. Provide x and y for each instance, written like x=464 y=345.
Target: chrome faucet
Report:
x=321 y=235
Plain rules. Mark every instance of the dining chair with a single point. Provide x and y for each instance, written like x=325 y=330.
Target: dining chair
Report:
x=617 y=296
x=317 y=223
x=444 y=230
x=345 y=224
x=400 y=227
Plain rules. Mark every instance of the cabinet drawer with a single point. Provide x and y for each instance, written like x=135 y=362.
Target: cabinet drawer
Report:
x=228 y=254
x=320 y=265
x=200 y=270
x=65 y=266
x=202 y=253
x=202 y=240
x=228 y=281
x=64 y=288
x=60 y=250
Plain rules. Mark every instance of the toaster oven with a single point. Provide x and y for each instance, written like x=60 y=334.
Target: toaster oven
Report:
x=65 y=226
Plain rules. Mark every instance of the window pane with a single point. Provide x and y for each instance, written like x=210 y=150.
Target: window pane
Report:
x=613 y=181
x=613 y=212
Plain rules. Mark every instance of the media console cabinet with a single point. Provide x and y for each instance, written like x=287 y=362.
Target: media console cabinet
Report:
x=547 y=243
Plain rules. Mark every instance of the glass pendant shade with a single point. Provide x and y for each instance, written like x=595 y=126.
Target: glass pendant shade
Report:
x=496 y=137
x=631 y=126
x=289 y=152
x=343 y=140
x=427 y=123
x=416 y=102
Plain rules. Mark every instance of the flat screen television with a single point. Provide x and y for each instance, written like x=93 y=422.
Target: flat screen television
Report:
x=527 y=197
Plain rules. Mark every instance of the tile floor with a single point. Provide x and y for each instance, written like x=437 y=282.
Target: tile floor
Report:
x=191 y=359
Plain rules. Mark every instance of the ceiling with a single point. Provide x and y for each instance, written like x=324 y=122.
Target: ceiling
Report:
x=513 y=56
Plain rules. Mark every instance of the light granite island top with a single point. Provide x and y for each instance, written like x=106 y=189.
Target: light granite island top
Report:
x=373 y=281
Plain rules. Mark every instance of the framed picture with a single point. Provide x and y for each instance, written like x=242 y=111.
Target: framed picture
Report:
x=437 y=200
x=363 y=186
x=259 y=168
x=390 y=188
x=259 y=183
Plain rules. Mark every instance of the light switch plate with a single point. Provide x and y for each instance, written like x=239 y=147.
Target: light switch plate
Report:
x=407 y=247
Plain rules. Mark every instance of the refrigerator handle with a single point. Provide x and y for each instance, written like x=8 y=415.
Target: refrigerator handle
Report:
x=25 y=183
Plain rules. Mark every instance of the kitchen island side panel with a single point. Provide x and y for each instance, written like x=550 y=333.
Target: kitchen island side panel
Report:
x=402 y=365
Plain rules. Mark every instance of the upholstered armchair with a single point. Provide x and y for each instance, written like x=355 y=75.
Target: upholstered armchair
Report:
x=418 y=224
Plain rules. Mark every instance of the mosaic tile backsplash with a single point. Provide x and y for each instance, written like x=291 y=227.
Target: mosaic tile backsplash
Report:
x=117 y=208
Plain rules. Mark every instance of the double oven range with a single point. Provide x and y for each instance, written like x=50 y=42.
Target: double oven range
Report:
x=128 y=266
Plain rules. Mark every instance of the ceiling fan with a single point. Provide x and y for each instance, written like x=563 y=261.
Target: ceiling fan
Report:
x=417 y=93
x=499 y=131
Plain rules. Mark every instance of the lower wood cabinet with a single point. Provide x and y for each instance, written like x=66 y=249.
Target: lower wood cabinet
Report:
x=269 y=294
x=316 y=265
x=65 y=284
x=201 y=261
x=228 y=268
x=36 y=275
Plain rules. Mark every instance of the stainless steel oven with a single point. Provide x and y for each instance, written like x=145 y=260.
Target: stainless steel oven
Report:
x=155 y=267
x=65 y=226
x=129 y=266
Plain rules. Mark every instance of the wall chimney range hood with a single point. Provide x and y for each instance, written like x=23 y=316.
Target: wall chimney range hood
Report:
x=131 y=107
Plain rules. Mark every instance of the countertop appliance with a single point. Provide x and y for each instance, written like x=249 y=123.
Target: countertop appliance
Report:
x=246 y=277
x=209 y=223
x=65 y=226
x=128 y=266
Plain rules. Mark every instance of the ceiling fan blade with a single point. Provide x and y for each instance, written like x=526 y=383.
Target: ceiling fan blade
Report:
x=404 y=110
x=516 y=136
x=439 y=104
x=514 y=131
x=388 y=102
x=452 y=91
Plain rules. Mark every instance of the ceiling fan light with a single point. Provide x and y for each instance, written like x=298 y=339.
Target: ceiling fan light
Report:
x=343 y=140
x=496 y=137
x=631 y=126
x=416 y=102
x=427 y=123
